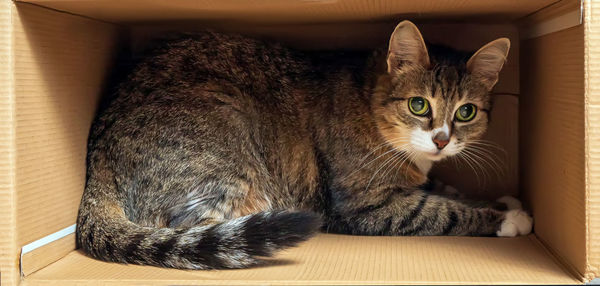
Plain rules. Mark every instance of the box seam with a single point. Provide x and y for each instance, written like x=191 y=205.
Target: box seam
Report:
x=24 y=278
x=549 y=6
x=568 y=267
x=67 y=12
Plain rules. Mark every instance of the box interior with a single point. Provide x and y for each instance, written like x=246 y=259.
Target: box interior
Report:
x=64 y=52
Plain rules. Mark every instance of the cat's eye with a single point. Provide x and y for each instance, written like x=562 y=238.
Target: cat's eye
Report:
x=466 y=112
x=418 y=106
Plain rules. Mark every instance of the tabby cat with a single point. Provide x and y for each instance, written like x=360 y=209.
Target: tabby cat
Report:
x=220 y=149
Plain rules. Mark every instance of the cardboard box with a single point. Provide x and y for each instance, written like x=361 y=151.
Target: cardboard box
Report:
x=56 y=56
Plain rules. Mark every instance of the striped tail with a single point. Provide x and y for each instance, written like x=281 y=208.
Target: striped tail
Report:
x=237 y=243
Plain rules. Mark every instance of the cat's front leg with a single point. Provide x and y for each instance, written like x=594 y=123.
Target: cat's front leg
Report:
x=414 y=212
x=438 y=188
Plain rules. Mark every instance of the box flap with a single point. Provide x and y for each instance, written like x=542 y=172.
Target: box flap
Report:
x=294 y=11
x=344 y=260
x=592 y=97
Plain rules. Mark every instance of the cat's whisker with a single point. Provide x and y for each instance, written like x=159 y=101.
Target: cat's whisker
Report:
x=493 y=157
x=487 y=143
x=489 y=158
x=393 y=149
x=487 y=153
x=410 y=158
x=401 y=163
x=390 y=162
x=484 y=147
x=384 y=144
x=392 y=166
x=465 y=159
x=383 y=165
x=483 y=157
x=454 y=161
x=477 y=161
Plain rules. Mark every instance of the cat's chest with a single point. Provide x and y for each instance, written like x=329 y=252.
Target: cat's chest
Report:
x=424 y=165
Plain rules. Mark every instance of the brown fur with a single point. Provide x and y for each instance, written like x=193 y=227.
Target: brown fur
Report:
x=219 y=149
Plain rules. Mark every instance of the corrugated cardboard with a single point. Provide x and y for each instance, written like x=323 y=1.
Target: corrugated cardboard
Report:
x=348 y=260
x=558 y=16
x=592 y=147
x=46 y=254
x=552 y=128
x=295 y=11
x=61 y=63
x=8 y=225
x=56 y=64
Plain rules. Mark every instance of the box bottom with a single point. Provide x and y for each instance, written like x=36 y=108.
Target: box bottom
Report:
x=340 y=259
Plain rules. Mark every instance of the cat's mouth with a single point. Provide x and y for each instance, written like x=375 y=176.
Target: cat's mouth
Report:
x=439 y=155
x=435 y=155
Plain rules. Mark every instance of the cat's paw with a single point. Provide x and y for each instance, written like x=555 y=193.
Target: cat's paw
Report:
x=511 y=203
x=516 y=222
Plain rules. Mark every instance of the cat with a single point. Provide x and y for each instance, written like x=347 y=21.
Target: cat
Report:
x=220 y=149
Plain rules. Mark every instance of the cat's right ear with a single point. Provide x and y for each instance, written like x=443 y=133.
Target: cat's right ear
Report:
x=406 y=48
x=487 y=62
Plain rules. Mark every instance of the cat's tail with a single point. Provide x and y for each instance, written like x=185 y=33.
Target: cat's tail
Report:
x=238 y=243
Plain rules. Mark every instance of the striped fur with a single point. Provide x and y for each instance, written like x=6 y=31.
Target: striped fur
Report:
x=219 y=149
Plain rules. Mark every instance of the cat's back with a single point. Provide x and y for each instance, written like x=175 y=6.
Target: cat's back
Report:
x=208 y=73
x=246 y=63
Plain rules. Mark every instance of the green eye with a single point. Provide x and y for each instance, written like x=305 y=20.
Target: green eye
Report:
x=466 y=112
x=418 y=105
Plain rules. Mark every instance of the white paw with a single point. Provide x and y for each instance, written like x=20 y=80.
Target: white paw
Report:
x=511 y=202
x=516 y=222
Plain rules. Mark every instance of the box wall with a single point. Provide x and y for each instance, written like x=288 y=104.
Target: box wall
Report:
x=552 y=133
x=294 y=11
x=60 y=64
x=330 y=259
x=8 y=254
x=51 y=50
x=592 y=97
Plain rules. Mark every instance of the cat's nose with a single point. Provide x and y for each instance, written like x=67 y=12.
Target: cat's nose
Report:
x=441 y=140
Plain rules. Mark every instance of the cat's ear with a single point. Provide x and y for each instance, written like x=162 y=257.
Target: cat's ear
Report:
x=407 y=48
x=487 y=62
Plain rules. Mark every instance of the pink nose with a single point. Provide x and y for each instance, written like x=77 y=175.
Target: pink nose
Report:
x=440 y=143
x=441 y=140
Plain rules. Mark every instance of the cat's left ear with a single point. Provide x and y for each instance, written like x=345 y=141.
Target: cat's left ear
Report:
x=487 y=62
x=407 y=48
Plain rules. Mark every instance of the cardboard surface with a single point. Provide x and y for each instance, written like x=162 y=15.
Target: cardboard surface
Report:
x=558 y=16
x=47 y=254
x=553 y=139
x=56 y=64
x=344 y=260
x=8 y=256
x=60 y=64
x=295 y=11
x=592 y=148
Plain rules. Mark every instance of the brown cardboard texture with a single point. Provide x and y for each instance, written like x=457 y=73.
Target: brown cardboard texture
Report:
x=56 y=56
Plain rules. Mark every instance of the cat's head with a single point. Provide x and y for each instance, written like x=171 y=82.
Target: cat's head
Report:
x=431 y=102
